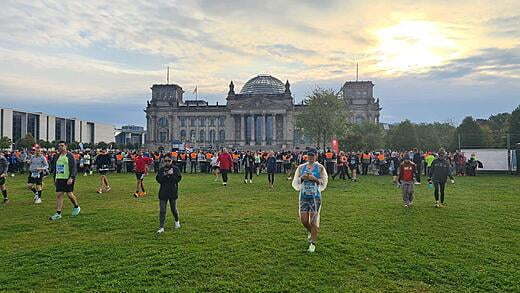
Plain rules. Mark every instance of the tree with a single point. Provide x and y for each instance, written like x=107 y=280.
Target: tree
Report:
x=363 y=136
x=323 y=116
x=102 y=145
x=26 y=142
x=402 y=137
x=433 y=136
x=514 y=125
x=470 y=133
x=5 y=143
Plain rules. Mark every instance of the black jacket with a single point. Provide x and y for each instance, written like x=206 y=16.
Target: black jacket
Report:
x=248 y=161
x=440 y=170
x=169 y=183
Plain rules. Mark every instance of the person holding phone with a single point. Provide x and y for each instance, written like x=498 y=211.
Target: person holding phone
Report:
x=168 y=177
x=310 y=180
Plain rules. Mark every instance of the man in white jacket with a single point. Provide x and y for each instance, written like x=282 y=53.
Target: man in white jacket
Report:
x=310 y=180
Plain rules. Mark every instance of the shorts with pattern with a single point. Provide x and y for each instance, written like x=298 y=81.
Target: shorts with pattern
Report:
x=310 y=204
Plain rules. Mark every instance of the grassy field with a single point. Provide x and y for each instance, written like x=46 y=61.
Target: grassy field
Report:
x=248 y=238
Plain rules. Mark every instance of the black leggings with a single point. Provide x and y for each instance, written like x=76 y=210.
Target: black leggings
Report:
x=270 y=177
x=438 y=185
x=249 y=172
x=162 y=210
x=224 y=174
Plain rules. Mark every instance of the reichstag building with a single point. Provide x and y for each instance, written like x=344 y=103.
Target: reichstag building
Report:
x=260 y=116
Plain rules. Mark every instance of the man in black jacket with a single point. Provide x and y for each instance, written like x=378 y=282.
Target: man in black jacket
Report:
x=168 y=177
x=439 y=173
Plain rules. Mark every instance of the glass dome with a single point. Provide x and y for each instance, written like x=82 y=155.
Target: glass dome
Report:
x=263 y=84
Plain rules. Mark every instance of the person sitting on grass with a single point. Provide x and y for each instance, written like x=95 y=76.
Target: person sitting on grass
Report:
x=168 y=177
x=310 y=180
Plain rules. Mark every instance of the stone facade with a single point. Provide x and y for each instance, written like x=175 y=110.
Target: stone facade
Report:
x=359 y=97
x=261 y=116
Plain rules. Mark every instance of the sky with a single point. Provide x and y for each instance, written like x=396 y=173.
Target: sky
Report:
x=430 y=60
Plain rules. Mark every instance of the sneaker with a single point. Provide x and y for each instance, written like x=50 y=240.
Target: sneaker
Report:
x=90 y=172
x=6 y=200
x=160 y=231
x=245 y=181
x=216 y=179
x=312 y=248
x=55 y=217
x=38 y=200
x=177 y=225
x=100 y=191
x=35 y=197
x=75 y=211
x=452 y=181
x=225 y=183
x=85 y=174
x=250 y=181
x=12 y=175
x=142 y=194
x=289 y=178
x=417 y=183
x=442 y=205
x=436 y=204
x=136 y=195
x=405 y=206
x=108 y=188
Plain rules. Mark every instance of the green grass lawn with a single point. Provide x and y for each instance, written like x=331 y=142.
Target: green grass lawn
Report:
x=248 y=238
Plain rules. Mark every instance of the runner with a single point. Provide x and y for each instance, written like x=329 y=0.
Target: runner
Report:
x=353 y=163
x=439 y=173
x=103 y=161
x=310 y=180
x=394 y=167
x=65 y=171
x=38 y=168
x=225 y=163
x=287 y=164
x=271 y=168
x=249 y=166
x=141 y=169
x=168 y=177
x=3 y=174
x=258 y=161
x=214 y=167
x=407 y=172
x=86 y=164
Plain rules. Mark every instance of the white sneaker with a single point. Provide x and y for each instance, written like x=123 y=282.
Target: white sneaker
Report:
x=12 y=174
x=245 y=181
x=90 y=172
x=312 y=248
x=85 y=174
x=417 y=183
x=161 y=230
x=177 y=225
x=225 y=183
x=216 y=179
x=250 y=181
x=38 y=200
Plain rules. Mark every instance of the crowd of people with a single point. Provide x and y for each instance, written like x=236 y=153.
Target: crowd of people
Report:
x=308 y=169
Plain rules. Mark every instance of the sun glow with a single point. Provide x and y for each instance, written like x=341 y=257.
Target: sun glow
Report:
x=413 y=46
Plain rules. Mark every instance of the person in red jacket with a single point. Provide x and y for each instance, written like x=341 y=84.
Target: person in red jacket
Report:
x=226 y=163
x=407 y=172
x=141 y=169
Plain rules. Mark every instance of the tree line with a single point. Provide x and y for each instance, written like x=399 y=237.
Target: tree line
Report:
x=325 y=115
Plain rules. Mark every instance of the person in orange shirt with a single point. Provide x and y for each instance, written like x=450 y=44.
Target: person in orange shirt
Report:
x=193 y=162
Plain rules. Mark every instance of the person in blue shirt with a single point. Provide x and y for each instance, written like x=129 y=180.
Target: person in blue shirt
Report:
x=310 y=180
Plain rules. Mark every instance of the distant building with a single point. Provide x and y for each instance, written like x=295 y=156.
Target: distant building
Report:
x=130 y=134
x=261 y=116
x=16 y=124
x=359 y=97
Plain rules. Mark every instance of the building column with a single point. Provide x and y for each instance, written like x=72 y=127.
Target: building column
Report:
x=243 y=128
x=284 y=130
x=264 y=128
x=275 y=137
x=253 y=130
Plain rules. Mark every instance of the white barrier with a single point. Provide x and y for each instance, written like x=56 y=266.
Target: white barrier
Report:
x=492 y=159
